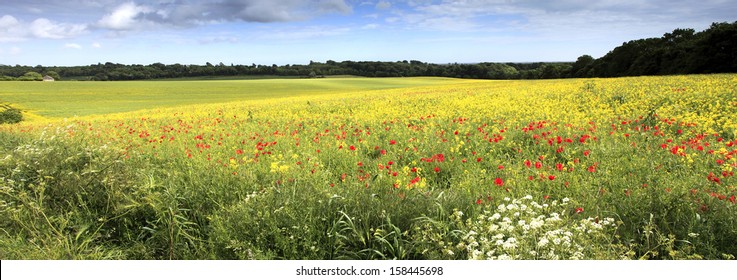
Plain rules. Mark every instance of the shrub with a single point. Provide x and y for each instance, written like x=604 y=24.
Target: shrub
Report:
x=10 y=115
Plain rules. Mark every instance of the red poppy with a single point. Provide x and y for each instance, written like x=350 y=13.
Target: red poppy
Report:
x=579 y=210
x=415 y=180
x=437 y=169
x=551 y=177
x=559 y=166
x=392 y=142
x=528 y=163
x=498 y=182
x=538 y=164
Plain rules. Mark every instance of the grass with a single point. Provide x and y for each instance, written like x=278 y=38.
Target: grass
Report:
x=68 y=99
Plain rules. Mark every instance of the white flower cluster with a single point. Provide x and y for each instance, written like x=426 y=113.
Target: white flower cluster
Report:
x=525 y=229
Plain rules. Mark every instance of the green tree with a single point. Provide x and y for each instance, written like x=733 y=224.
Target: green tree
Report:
x=582 y=66
x=54 y=75
x=31 y=76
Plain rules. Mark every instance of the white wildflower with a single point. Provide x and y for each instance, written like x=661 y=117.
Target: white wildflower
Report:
x=495 y=217
x=504 y=257
x=511 y=243
x=543 y=242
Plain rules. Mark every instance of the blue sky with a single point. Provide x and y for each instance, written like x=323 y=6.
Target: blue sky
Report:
x=83 y=32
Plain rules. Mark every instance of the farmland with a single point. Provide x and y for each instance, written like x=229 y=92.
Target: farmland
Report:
x=404 y=168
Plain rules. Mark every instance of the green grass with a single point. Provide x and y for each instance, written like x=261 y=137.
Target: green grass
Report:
x=68 y=99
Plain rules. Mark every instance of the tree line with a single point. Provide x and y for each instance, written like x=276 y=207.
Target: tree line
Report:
x=683 y=51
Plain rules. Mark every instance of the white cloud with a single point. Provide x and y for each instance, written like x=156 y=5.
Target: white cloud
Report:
x=72 y=46
x=96 y=45
x=10 y=29
x=7 y=21
x=14 y=30
x=44 y=28
x=124 y=17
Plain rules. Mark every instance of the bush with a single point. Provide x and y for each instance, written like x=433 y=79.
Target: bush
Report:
x=10 y=115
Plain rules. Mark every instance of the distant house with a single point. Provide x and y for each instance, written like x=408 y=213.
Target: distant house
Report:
x=48 y=78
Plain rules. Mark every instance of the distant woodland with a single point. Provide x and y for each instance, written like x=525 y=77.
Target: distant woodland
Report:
x=683 y=51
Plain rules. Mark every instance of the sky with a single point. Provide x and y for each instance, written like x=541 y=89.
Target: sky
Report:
x=84 y=32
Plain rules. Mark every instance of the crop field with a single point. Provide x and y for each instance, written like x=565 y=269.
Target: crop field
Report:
x=69 y=99
x=358 y=168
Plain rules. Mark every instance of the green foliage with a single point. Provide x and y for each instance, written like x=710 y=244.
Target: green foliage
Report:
x=682 y=51
x=63 y=199
x=54 y=75
x=31 y=76
x=10 y=115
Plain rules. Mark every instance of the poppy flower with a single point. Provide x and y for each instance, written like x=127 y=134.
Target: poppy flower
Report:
x=579 y=210
x=559 y=166
x=498 y=182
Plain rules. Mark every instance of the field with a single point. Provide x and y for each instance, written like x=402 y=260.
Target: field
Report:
x=69 y=99
x=354 y=168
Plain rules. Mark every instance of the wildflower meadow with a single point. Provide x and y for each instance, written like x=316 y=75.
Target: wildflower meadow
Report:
x=619 y=168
